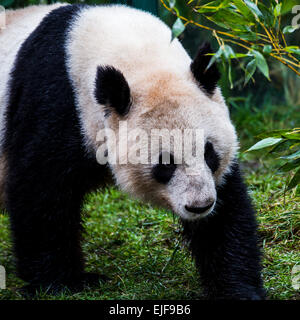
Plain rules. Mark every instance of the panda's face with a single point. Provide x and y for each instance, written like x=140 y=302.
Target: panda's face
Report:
x=175 y=98
x=191 y=194
x=187 y=187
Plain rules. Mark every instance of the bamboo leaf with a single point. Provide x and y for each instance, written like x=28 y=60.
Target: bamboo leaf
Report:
x=292 y=49
x=228 y=52
x=285 y=145
x=295 y=180
x=178 y=28
x=249 y=35
x=289 y=166
x=293 y=156
x=267 y=49
x=267 y=14
x=253 y=7
x=213 y=6
x=250 y=70
x=292 y=135
x=244 y=10
x=277 y=133
x=261 y=63
x=227 y=15
x=265 y=143
x=230 y=75
x=240 y=55
x=277 y=10
x=208 y=7
x=289 y=29
x=229 y=19
x=172 y=3
x=216 y=56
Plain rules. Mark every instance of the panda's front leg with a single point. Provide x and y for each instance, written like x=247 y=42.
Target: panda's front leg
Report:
x=44 y=198
x=225 y=245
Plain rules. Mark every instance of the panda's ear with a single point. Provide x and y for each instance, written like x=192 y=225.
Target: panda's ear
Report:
x=112 y=90
x=207 y=78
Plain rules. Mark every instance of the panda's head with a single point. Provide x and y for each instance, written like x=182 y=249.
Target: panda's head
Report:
x=162 y=104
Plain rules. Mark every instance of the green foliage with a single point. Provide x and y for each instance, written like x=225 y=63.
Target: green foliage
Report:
x=286 y=143
x=6 y=3
x=279 y=227
x=177 y=29
x=251 y=26
x=138 y=247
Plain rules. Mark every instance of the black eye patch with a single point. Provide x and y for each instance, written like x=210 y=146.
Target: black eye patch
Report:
x=163 y=172
x=211 y=157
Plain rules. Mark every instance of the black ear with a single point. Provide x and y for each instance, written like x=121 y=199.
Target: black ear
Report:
x=207 y=78
x=112 y=90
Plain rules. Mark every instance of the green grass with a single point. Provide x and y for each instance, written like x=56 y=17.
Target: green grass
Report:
x=279 y=228
x=138 y=247
x=133 y=244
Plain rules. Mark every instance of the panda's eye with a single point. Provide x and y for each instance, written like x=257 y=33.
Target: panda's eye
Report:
x=164 y=170
x=211 y=157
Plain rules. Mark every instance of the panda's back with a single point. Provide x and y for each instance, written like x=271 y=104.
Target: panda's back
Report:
x=131 y=40
x=19 y=25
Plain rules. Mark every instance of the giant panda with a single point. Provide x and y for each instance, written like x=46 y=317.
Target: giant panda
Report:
x=68 y=71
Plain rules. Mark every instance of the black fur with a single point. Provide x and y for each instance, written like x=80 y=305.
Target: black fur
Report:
x=49 y=169
x=112 y=90
x=211 y=157
x=225 y=244
x=207 y=78
x=163 y=172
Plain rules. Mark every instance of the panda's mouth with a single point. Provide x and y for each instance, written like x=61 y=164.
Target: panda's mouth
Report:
x=188 y=213
x=199 y=210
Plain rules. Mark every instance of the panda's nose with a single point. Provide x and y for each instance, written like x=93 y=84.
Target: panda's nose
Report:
x=199 y=210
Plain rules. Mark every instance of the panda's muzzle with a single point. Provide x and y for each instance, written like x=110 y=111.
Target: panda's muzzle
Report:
x=199 y=210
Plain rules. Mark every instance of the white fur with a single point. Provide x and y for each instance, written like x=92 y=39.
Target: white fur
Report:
x=164 y=92
x=132 y=41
